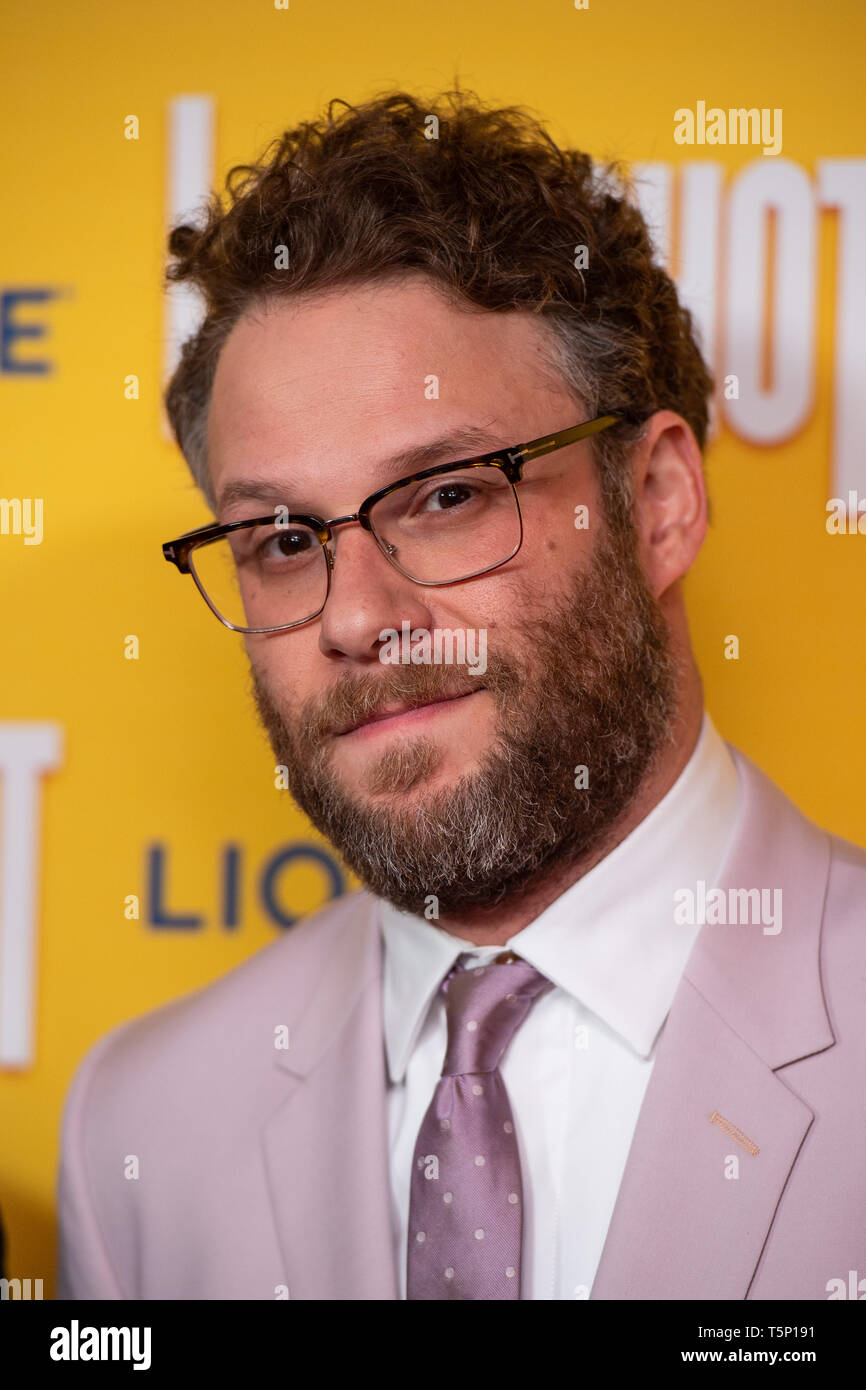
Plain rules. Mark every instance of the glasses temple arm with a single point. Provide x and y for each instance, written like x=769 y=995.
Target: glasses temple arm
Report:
x=537 y=447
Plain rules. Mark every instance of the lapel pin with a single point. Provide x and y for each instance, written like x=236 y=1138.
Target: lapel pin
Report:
x=736 y=1134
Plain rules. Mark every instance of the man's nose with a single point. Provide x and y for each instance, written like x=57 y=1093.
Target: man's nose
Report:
x=368 y=596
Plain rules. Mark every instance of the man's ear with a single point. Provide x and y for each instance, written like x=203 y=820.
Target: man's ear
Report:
x=670 y=499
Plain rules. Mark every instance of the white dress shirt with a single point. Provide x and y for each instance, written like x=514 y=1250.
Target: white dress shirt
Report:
x=577 y=1068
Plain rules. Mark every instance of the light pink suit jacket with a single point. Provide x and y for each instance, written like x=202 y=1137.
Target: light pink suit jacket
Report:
x=264 y=1172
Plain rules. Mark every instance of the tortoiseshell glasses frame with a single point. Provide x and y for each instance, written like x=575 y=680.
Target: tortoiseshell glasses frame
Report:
x=510 y=461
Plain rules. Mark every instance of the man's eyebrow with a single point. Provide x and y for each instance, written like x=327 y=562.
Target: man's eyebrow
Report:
x=464 y=443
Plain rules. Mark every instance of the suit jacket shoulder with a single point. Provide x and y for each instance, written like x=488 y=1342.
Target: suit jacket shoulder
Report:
x=170 y=1094
x=745 y=1175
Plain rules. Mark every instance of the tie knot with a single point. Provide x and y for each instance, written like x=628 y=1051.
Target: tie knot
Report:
x=485 y=1006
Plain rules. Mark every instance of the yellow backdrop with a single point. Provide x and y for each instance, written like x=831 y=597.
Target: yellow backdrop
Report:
x=156 y=784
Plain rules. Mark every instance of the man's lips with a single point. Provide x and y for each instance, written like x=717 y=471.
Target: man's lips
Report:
x=398 y=710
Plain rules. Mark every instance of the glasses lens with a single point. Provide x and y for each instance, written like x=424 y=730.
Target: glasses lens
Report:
x=450 y=526
x=263 y=576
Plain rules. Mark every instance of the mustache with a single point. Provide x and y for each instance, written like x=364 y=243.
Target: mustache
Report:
x=356 y=697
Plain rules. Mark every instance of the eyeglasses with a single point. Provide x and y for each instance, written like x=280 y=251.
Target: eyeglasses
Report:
x=452 y=522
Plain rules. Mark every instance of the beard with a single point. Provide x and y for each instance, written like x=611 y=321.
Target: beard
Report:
x=591 y=684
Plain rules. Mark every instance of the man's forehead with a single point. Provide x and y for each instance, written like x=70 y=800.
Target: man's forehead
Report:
x=376 y=335
x=394 y=361
x=461 y=442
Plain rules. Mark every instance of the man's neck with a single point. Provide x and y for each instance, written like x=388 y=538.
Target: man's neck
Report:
x=495 y=925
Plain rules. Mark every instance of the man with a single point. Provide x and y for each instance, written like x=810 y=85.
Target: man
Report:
x=593 y=1026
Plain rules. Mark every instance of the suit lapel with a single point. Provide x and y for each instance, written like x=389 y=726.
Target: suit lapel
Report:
x=696 y=1201
x=683 y=1226
x=326 y=1145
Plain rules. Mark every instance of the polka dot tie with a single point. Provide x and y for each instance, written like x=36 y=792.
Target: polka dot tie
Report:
x=466 y=1198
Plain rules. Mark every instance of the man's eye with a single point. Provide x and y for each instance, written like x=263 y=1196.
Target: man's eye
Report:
x=448 y=495
x=285 y=544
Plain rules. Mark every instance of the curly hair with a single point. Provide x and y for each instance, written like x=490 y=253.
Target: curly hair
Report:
x=484 y=202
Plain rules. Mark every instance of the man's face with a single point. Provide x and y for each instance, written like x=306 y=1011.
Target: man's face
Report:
x=472 y=796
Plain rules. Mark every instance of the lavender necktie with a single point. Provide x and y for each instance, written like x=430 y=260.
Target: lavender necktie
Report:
x=466 y=1200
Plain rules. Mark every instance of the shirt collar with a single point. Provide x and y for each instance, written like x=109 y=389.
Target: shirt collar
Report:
x=610 y=939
